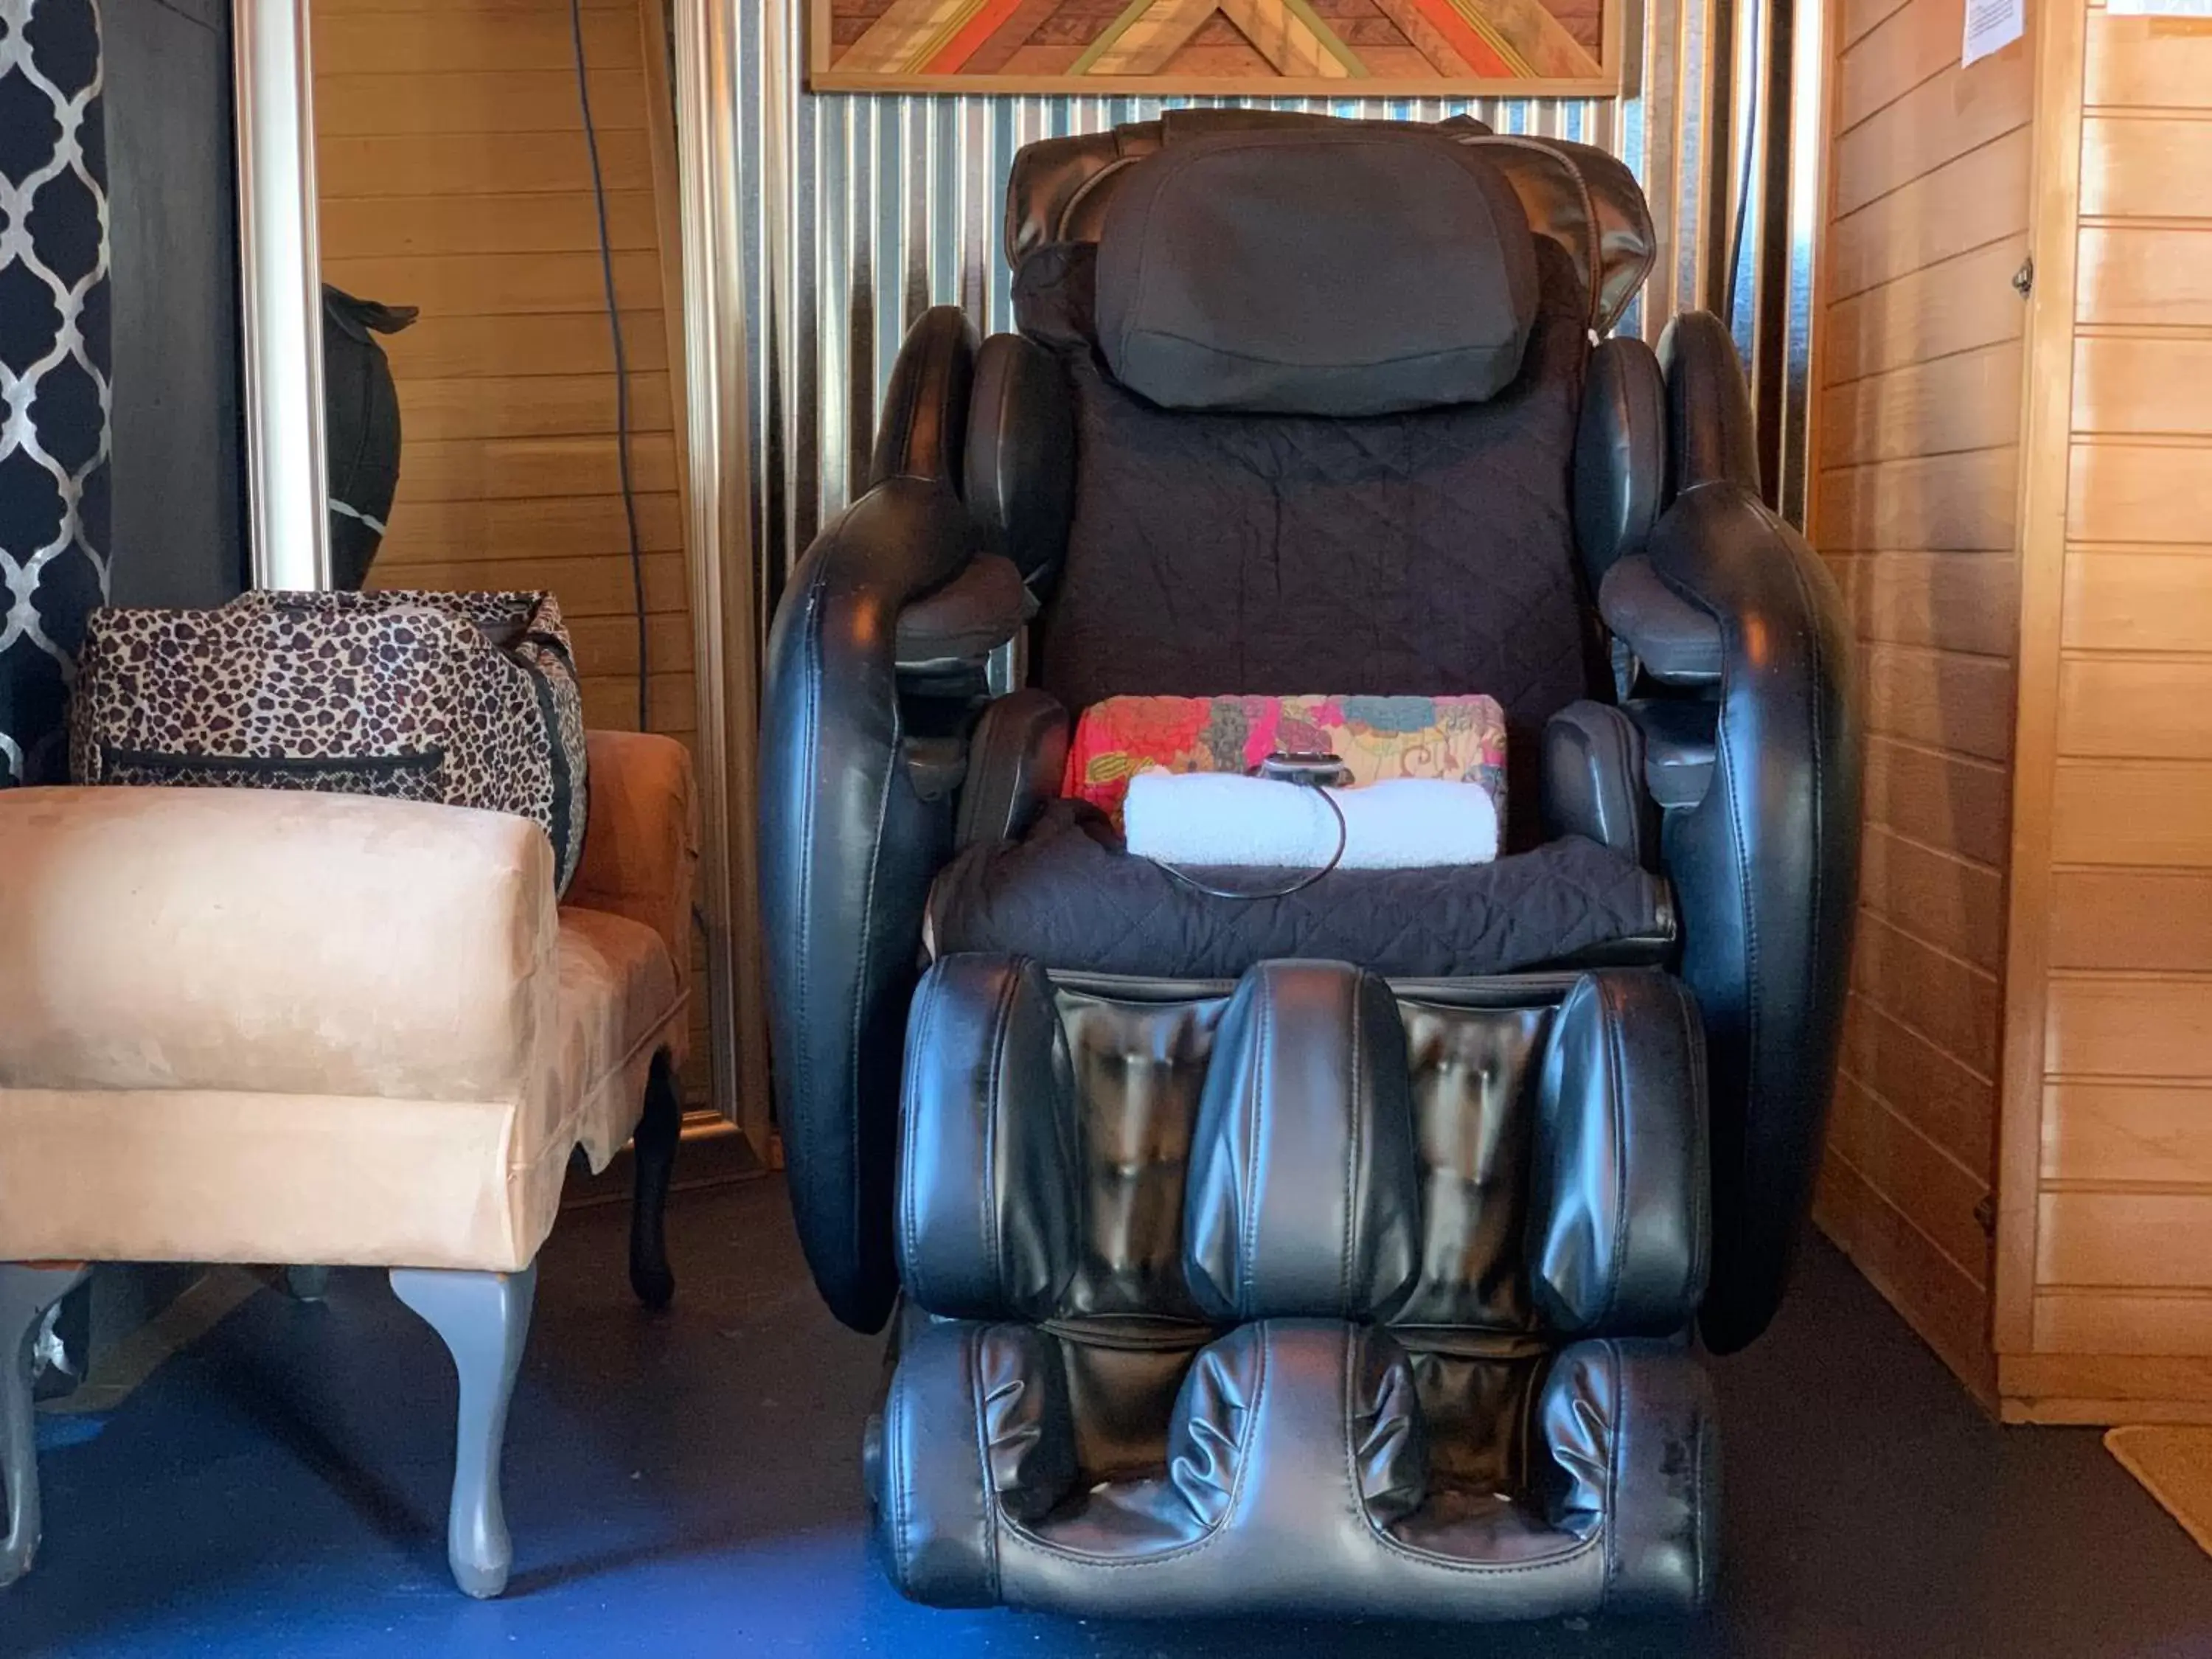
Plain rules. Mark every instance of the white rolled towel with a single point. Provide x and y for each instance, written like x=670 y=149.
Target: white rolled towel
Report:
x=1220 y=820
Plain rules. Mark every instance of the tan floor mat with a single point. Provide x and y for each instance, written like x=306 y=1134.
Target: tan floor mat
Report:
x=2173 y=1462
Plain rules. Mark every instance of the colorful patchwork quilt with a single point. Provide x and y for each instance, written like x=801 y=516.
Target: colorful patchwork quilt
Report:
x=1462 y=738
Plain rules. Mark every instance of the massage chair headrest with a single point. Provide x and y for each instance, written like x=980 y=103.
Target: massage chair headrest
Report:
x=1579 y=196
x=1346 y=273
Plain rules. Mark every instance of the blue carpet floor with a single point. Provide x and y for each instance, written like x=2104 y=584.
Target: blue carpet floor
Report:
x=688 y=1484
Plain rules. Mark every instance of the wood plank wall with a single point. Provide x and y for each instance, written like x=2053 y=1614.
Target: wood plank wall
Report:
x=1916 y=474
x=2121 y=1320
x=454 y=176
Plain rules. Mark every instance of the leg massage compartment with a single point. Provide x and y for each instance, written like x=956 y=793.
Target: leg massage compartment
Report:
x=1310 y=1293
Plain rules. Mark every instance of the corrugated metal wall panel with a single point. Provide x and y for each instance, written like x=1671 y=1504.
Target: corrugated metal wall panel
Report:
x=860 y=211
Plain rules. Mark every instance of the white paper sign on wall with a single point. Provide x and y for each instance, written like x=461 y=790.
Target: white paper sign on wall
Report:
x=1992 y=24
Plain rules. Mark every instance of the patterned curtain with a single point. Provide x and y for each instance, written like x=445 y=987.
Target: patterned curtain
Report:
x=53 y=369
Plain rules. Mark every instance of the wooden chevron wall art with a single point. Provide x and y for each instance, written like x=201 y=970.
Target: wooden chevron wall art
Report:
x=1302 y=48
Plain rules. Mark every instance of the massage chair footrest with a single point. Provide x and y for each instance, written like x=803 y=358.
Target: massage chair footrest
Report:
x=1309 y=1294
x=1310 y=1467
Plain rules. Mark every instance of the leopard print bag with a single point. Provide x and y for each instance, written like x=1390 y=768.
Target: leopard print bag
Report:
x=464 y=699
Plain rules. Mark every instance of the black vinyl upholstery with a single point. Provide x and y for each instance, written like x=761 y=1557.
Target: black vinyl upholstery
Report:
x=1594 y=785
x=1578 y=198
x=1193 y=312
x=924 y=432
x=1339 y=1253
x=1016 y=755
x=1277 y=1272
x=1019 y=468
x=1765 y=865
x=848 y=845
x=1671 y=639
x=1711 y=435
x=1605 y=1501
x=1620 y=453
x=965 y=620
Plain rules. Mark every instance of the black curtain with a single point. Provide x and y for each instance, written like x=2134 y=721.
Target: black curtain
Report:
x=53 y=369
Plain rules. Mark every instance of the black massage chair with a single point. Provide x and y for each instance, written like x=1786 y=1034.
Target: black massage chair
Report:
x=1339 y=1253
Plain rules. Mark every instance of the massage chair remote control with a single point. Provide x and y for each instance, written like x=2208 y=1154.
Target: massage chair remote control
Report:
x=1314 y=768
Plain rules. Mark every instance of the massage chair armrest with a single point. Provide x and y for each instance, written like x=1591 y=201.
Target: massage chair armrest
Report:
x=876 y=670
x=1016 y=757
x=641 y=838
x=1593 y=780
x=268 y=941
x=1674 y=642
x=947 y=637
x=994 y=424
x=1764 y=859
x=852 y=831
x=948 y=624
x=1711 y=438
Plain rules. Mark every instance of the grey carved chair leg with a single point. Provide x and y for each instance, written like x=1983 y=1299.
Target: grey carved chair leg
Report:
x=483 y=1318
x=26 y=1292
x=654 y=1149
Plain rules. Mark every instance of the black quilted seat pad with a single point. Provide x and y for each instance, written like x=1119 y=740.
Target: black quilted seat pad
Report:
x=1069 y=896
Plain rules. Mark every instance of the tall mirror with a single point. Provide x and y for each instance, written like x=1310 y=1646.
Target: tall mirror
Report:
x=462 y=242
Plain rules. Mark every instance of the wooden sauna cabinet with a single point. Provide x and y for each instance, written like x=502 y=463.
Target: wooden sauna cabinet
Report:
x=2012 y=439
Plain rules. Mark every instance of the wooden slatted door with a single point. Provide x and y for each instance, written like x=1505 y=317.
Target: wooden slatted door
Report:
x=2109 y=1311
x=2015 y=486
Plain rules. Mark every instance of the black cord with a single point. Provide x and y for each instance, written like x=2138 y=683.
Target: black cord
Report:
x=1743 y=185
x=1343 y=841
x=622 y=359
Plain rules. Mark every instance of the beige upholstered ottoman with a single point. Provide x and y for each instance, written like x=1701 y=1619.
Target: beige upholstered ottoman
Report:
x=277 y=1027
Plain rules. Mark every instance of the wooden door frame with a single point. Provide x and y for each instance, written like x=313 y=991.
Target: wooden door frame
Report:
x=2046 y=444
x=708 y=378
x=280 y=282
